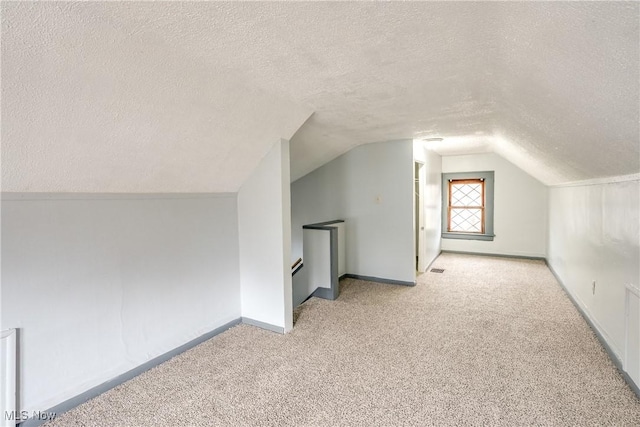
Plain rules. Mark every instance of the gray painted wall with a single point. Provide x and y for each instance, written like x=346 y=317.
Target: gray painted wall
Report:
x=371 y=188
x=594 y=234
x=99 y=284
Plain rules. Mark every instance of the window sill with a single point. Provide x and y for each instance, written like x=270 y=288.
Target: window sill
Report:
x=468 y=236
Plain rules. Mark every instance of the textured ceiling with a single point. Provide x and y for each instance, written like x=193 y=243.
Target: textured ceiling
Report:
x=189 y=96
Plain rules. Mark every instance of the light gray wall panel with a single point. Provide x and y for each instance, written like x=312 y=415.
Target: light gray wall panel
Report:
x=99 y=285
x=594 y=236
x=371 y=189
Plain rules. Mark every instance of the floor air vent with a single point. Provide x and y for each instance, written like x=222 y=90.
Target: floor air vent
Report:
x=437 y=270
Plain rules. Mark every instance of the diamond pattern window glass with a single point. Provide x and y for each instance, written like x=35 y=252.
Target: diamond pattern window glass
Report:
x=466 y=205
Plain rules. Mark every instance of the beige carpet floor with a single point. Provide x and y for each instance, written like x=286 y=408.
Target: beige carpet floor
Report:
x=491 y=341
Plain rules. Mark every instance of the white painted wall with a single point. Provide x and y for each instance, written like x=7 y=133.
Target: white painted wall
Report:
x=99 y=284
x=264 y=225
x=520 y=208
x=8 y=357
x=371 y=188
x=594 y=235
x=432 y=201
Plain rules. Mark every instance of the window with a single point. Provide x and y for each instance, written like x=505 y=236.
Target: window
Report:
x=467 y=205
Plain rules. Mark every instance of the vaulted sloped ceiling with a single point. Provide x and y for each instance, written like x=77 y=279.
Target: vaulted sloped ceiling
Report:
x=189 y=96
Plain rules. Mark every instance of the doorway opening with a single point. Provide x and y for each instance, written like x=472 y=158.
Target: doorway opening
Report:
x=418 y=204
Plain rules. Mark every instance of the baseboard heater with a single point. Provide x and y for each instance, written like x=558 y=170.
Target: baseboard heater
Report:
x=632 y=333
x=8 y=379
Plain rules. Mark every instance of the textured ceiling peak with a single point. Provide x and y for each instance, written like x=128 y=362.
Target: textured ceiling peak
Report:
x=188 y=96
